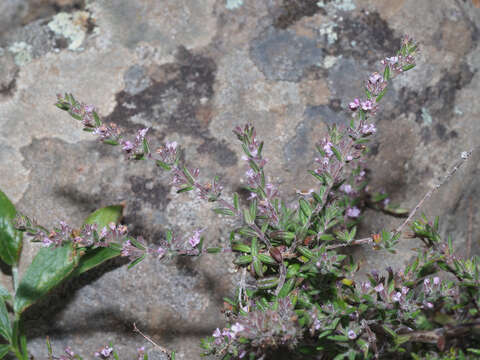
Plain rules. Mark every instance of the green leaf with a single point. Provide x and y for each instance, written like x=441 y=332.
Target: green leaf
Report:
x=136 y=261
x=408 y=67
x=286 y=288
x=5 y=326
x=386 y=73
x=243 y=260
x=380 y=96
x=111 y=142
x=267 y=283
x=10 y=238
x=266 y=259
x=104 y=216
x=224 y=211
x=95 y=257
x=48 y=269
x=164 y=165
x=305 y=207
x=98 y=122
x=235 y=201
x=241 y=247
x=337 y=153
x=185 y=189
x=4 y=349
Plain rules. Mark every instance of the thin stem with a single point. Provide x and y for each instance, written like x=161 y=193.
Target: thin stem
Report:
x=465 y=156
x=161 y=348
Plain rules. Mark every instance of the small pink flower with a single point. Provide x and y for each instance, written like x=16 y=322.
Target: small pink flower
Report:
x=195 y=238
x=328 y=148
x=346 y=188
x=379 y=288
x=236 y=328
x=397 y=296
x=353 y=212
x=354 y=105
x=367 y=105
x=351 y=335
x=217 y=333
x=368 y=129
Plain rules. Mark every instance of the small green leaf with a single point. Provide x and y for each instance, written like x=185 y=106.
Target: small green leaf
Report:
x=380 y=96
x=5 y=326
x=386 y=73
x=257 y=266
x=243 y=260
x=98 y=122
x=337 y=153
x=185 y=189
x=224 y=211
x=136 y=261
x=235 y=201
x=408 y=67
x=266 y=259
x=241 y=247
x=213 y=250
x=10 y=238
x=305 y=207
x=267 y=283
x=47 y=270
x=286 y=288
x=164 y=165
x=110 y=142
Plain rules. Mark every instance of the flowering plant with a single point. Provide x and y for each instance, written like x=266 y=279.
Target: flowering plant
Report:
x=298 y=292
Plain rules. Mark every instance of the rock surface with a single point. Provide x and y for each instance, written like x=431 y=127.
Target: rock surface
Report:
x=192 y=70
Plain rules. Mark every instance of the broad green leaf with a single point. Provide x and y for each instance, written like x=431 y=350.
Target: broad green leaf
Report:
x=94 y=257
x=4 y=349
x=10 y=238
x=48 y=269
x=104 y=216
x=5 y=326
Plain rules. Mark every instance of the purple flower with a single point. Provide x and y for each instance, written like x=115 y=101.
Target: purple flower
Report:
x=160 y=252
x=236 y=328
x=194 y=240
x=368 y=129
x=354 y=105
x=351 y=335
x=367 y=105
x=328 y=148
x=397 y=296
x=127 y=146
x=346 y=188
x=379 y=288
x=375 y=78
x=69 y=351
x=353 y=212
x=405 y=290
x=436 y=281
x=391 y=60
x=104 y=353
x=217 y=333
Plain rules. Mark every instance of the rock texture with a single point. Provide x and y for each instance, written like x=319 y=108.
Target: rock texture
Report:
x=192 y=70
